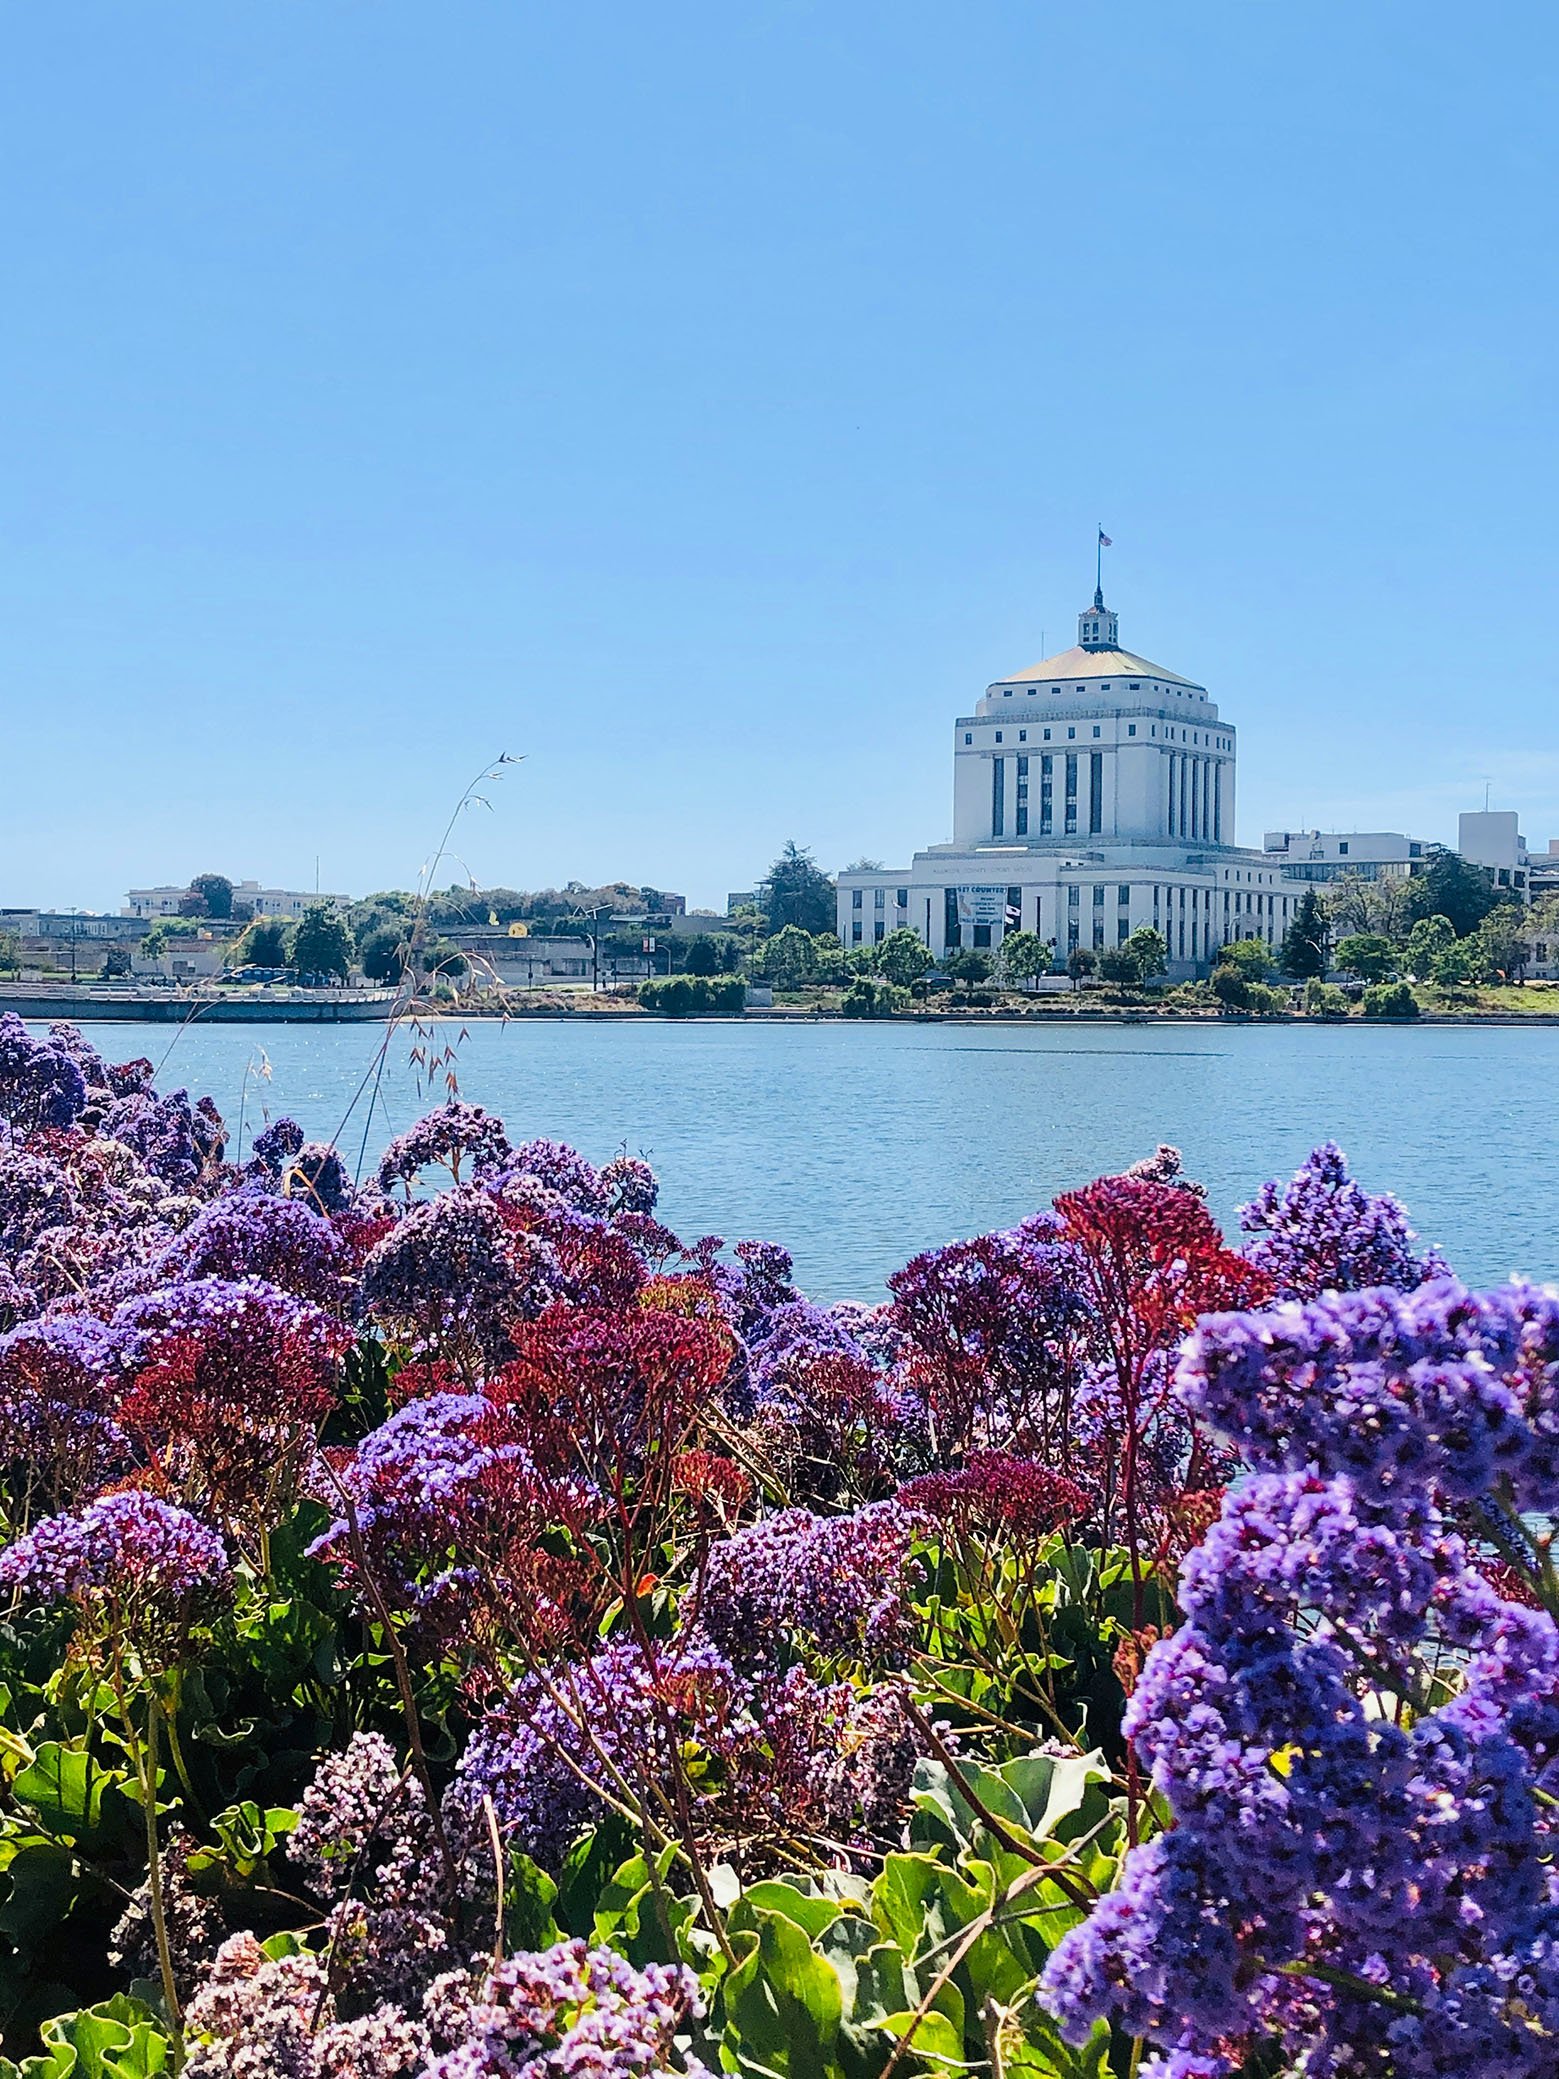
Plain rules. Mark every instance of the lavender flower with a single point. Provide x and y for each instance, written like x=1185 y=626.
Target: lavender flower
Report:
x=630 y=1185
x=457 y=1136
x=840 y=1582
x=451 y=1279
x=577 y=1182
x=566 y=2012
x=1320 y=1232
x=41 y=1085
x=135 y=1566
x=251 y=1234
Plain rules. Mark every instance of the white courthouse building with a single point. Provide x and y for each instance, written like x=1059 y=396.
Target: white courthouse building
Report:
x=1093 y=794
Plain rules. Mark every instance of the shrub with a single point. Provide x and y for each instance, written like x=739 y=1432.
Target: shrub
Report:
x=1325 y=1000
x=694 y=996
x=870 y=997
x=1390 y=1000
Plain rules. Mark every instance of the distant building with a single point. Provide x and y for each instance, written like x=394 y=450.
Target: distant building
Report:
x=743 y=899
x=1093 y=794
x=1492 y=838
x=1326 y=855
x=249 y=895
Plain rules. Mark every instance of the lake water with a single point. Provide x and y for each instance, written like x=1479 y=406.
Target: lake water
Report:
x=857 y=1145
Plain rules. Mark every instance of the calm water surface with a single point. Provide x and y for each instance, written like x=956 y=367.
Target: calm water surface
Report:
x=856 y=1146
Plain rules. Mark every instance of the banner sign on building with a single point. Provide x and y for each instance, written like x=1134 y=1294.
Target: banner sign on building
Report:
x=980 y=905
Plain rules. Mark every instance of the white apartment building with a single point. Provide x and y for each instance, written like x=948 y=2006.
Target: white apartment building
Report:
x=261 y=902
x=1093 y=794
x=1326 y=855
x=1492 y=838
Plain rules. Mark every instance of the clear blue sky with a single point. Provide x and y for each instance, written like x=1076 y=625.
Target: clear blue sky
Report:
x=706 y=400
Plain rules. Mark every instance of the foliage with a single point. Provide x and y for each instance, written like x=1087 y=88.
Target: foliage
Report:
x=1324 y=1000
x=789 y=959
x=263 y=944
x=796 y=891
x=1390 y=1000
x=1368 y=954
x=10 y=950
x=164 y=932
x=383 y=952
x=1451 y=887
x=1148 y=948
x=322 y=943
x=216 y=894
x=1429 y=939
x=1303 y=954
x=694 y=996
x=871 y=996
x=1502 y=948
x=705 y=954
x=1119 y=964
x=1249 y=957
x=1025 y=956
x=968 y=964
x=453 y=1625
x=1081 y=962
x=903 y=958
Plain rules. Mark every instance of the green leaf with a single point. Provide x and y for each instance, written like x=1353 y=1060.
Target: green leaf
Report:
x=936 y=2041
x=783 y=2003
x=66 y=1787
x=775 y=1895
x=1032 y=2046
x=38 y=1885
x=120 y=2039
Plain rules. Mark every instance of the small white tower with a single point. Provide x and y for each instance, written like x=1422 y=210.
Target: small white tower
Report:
x=1097 y=627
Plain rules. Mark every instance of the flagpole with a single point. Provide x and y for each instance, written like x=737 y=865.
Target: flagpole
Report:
x=1098 y=562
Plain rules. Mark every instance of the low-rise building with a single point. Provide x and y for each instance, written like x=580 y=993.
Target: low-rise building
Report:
x=166 y=901
x=1326 y=855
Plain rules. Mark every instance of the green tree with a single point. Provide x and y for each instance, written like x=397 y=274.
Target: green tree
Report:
x=216 y=894
x=1501 y=940
x=322 y=944
x=1428 y=939
x=1250 y=958
x=903 y=957
x=1025 y=956
x=702 y=955
x=264 y=944
x=1232 y=988
x=382 y=953
x=10 y=951
x=873 y=996
x=1368 y=954
x=1452 y=887
x=442 y=957
x=967 y=964
x=788 y=959
x=1081 y=962
x=1304 y=949
x=1325 y=1000
x=1457 y=965
x=1147 y=948
x=1119 y=966
x=795 y=890
x=1390 y=1000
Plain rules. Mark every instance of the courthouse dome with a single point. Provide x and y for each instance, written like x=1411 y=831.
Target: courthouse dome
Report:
x=1078 y=664
x=1096 y=655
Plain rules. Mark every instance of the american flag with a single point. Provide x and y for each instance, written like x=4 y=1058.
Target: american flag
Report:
x=1104 y=540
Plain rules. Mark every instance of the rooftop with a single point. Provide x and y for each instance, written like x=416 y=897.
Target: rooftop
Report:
x=1078 y=663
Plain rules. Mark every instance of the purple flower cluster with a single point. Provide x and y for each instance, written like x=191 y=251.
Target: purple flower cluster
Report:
x=136 y=1566
x=457 y=1137
x=568 y=2012
x=41 y=1084
x=451 y=1280
x=1358 y=1873
x=176 y=1140
x=1436 y=1392
x=1321 y=1232
x=838 y=1582
x=579 y=1184
x=630 y=1186
x=570 y=1741
x=56 y=1421
x=254 y=1234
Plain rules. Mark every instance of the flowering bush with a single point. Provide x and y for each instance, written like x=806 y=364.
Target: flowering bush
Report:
x=467 y=1630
